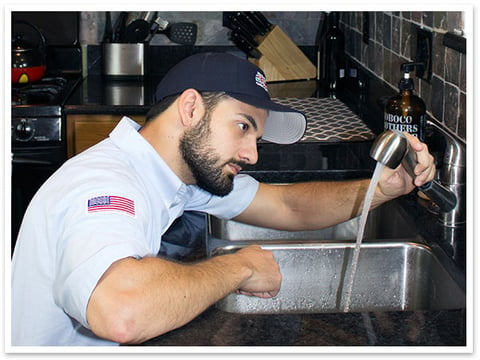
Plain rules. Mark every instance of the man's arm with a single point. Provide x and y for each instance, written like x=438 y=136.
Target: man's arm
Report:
x=137 y=299
x=305 y=206
x=316 y=205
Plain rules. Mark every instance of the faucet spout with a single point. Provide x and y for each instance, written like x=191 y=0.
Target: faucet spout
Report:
x=392 y=148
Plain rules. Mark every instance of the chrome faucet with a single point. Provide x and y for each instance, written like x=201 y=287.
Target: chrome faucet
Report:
x=452 y=175
x=391 y=148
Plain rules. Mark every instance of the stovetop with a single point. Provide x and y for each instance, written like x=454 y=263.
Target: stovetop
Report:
x=45 y=97
x=63 y=60
x=43 y=92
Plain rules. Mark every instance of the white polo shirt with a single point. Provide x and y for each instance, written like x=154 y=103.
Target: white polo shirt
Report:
x=112 y=201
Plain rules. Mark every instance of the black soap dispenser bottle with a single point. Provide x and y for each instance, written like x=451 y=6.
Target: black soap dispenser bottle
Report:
x=406 y=111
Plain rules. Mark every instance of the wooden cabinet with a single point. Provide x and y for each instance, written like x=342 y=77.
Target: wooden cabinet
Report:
x=84 y=131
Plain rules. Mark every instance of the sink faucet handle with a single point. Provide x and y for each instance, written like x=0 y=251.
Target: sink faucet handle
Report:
x=439 y=194
x=392 y=148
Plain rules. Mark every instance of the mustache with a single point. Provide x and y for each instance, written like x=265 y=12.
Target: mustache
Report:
x=239 y=163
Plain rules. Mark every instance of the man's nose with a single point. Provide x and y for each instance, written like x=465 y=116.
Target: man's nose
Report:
x=249 y=153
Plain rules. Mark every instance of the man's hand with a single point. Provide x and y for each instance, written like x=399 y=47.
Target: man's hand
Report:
x=397 y=182
x=266 y=278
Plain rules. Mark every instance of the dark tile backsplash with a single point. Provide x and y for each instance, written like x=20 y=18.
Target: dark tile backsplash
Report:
x=392 y=40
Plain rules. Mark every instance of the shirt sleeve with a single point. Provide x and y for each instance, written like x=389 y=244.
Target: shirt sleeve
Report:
x=244 y=190
x=90 y=243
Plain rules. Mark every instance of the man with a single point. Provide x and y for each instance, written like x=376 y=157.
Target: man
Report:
x=85 y=270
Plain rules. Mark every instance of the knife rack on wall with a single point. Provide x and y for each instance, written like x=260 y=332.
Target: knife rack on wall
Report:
x=281 y=59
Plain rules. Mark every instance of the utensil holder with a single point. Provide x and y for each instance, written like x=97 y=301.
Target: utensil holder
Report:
x=125 y=61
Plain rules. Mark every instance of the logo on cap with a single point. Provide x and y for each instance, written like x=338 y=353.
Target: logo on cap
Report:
x=261 y=81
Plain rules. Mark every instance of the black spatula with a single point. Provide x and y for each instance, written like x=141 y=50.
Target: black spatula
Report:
x=180 y=33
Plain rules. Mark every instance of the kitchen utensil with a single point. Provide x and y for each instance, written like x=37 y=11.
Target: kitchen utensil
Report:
x=239 y=22
x=258 y=21
x=138 y=25
x=243 y=21
x=242 y=33
x=181 y=33
x=119 y=29
x=392 y=148
x=244 y=44
x=254 y=23
x=28 y=58
x=267 y=25
x=230 y=22
x=107 y=35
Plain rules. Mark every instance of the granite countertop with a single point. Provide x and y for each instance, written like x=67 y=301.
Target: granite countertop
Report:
x=416 y=328
x=217 y=328
x=97 y=95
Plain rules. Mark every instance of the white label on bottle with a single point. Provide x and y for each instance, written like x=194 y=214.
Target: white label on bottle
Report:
x=402 y=123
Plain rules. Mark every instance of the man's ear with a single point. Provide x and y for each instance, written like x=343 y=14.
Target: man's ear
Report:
x=190 y=107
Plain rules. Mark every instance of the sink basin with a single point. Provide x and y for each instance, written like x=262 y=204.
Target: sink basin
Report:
x=396 y=269
x=391 y=276
x=388 y=221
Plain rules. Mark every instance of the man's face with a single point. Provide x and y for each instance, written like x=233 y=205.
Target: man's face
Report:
x=221 y=143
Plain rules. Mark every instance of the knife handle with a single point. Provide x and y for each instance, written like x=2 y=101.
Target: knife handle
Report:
x=266 y=24
x=258 y=22
x=243 y=45
x=247 y=16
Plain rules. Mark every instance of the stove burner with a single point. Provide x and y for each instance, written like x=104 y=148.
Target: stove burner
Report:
x=34 y=96
x=60 y=81
x=42 y=92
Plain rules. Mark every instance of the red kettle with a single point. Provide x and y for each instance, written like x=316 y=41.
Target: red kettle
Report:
x=28 y=58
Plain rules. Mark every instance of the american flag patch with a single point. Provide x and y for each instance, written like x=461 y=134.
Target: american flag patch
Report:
x=110 y=203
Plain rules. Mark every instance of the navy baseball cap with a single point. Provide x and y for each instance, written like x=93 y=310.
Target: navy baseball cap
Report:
x=240 y=79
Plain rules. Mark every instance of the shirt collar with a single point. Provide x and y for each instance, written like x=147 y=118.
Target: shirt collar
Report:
x=148 y=163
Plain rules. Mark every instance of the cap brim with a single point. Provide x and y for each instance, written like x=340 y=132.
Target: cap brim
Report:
x=284 y=125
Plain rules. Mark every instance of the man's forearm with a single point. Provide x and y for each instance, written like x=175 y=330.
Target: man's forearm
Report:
x=139 y=299
x=308 y=206
x=322 y=204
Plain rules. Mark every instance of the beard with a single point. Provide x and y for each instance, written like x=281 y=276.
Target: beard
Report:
x=205 y=165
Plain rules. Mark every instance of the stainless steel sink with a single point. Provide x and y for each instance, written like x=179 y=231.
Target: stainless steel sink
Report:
x=388 y=221
x=396 y=270
x=390 y=277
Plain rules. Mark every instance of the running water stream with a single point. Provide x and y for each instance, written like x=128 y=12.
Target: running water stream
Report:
x=361 y=229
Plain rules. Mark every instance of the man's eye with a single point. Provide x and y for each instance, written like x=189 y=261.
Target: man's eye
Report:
x=243 y=126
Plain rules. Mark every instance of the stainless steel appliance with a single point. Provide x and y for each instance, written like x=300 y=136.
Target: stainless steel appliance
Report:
x=38 y=144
